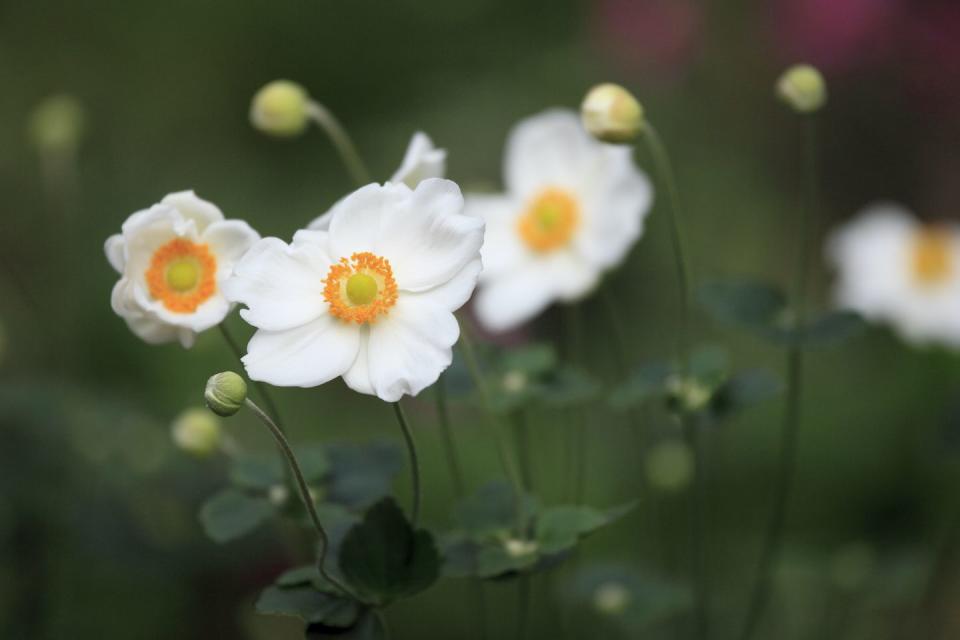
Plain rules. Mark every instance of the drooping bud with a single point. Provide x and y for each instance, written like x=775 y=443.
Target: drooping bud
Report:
x=225 y=393
x=196 y=432
x=803 y=88
x=280 y=108
x=611 y=114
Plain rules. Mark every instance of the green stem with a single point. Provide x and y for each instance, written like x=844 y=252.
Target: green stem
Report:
x=341 y=140
x=301 y=484
x=791 y=417
x=509 y=466
x=521 y=432
x=449 y=443
x=414 y=461
x=261 y=388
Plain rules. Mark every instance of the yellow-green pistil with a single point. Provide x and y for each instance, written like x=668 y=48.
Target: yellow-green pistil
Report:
x=361 y=289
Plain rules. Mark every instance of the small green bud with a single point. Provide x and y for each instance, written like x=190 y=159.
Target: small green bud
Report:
x=196 y=432
x=669 y=465
x=611 y=114
x=280 y=108
x=803 y=88
x=57 y=124
x=611 y=598
x=225 y=393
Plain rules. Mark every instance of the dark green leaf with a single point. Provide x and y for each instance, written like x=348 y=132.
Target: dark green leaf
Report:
x=745 y=389
x=383 y=558
x=368 y=627
x=742 y=303
x=829 y=329
x=298 y=576
x=566 y=387
x=314 y=462
x=491 y=510
x=231 y=514
x=559 y=528
x=645 y=383
x=257 y=470
x=309 y=605
x=362 y=474
x=496 y=559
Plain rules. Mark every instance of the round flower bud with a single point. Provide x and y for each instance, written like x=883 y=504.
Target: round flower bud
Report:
x=280 y=108
x=225 y=393
x=611 y=114
x=57 y=124
x=611 y=598
x=669 y=465
x=803 y=88
x=196 y=432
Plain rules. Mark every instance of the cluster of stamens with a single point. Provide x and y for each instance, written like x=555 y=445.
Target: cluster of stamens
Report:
x=549 y=220
x=932 y=256
x=182 y=275
x=360 y=288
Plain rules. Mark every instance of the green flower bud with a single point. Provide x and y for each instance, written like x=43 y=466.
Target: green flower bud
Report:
x=611 y=598
x=611 y=114
x=225 y=393
x=669 y=465
x=57 y=124
x=280 y=108
x=196 y=432
x=803 y=88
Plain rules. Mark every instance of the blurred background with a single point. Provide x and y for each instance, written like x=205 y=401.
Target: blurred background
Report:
x=99 y=536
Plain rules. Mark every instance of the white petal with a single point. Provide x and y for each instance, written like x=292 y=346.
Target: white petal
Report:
x=548 y=149
x=454 y=293
x=209 y=314
x=428 y=239
x=191 y=207
x=410 y=347
x=357 y=376
x=421 y=161
x=502 y=247
x=151 y=330
x=356 y=220
x=321 y=223
x=306 y=356
x=281 y=285
x=187 y=337
x=229 y=240
x=114 y=248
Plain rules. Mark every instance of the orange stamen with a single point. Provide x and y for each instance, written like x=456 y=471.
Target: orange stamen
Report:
x=549 y=220
x=175 y=298
x=335 y=288
x=932 y=257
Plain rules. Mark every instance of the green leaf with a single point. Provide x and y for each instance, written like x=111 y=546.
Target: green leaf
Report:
x=494 y=560
x=309 y=605
x=231 y=514
x=745 y=389
x=298 y=576
x=826 y=330
x=743 y=303
x=368 y=627
x=491 y=510
x=362 y=474
x=560 y=528
x=383 y=558
x=647 y=382
x=314 y=462
x=256 y=470
x=566 y=387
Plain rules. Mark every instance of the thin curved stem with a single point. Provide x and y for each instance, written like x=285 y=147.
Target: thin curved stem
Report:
x=259 y=386
x=414 y=461
x=791 y=416
x=301 y=483
x=341 y=140
x=446 y=436
x=509 y=466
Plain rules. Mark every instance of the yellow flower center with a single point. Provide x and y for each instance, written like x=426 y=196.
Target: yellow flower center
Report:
x=361 y=288
x=182 y=275
x=549 y=220
x=932 y=257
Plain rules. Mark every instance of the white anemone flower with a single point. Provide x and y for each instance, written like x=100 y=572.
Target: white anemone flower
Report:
x=894 y=269
x=172 y=259
x=422 y=160
x=371 y=299
x=573 y=208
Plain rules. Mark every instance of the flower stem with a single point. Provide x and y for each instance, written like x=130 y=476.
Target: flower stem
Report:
x=414 y=461
x=521 y=432
x=509 y=466
x=341 y=140
x=261 y=388
x=791 y=415
x=301 y=483
x=449 y=443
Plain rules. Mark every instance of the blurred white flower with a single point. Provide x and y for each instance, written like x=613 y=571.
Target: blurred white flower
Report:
x=573 y=209
x=371 y=299
x=892 y=268
x=172 y=259
x=421 y=161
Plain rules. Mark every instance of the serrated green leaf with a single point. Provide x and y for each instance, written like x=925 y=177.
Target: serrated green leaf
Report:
x=309 y=605
x=743 y=303
x=231 y=514
x=383 y=558
x=560 y=528
x=494 y=560
x=491 y=510
x=361 y=474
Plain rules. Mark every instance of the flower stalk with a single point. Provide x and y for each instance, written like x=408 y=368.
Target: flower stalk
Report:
x=324 y=118
x=414 y=461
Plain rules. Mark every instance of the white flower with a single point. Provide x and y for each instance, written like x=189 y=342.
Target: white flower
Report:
x=421 y=161
x=173 y=259
x=892 y=268
x=371 y=299
x=573 y=208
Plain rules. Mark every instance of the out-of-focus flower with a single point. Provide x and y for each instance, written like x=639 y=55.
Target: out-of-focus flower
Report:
x=371 y=300
x=611 y=114
x=225 y=393
x=893 y=269
x=57 y=124
x=173 y=259
x=573 y=209
x=803 y=88
x=280 y=108
x=196 y=432
x=657 y=37
x=422 y=160
x=611 y=598
x=669 y=465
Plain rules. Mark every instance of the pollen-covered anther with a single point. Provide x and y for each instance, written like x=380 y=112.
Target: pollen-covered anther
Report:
x=549 y=220
x=360 y=288
x=932 y=256
x=182 y=275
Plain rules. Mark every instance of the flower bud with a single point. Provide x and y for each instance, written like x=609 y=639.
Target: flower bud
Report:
x=196 y=432
x=280 y=108
x=225 y=393
x=57 y=124
x=611 y=114
x=803 y=88
x=611 y=598
x=669 y=465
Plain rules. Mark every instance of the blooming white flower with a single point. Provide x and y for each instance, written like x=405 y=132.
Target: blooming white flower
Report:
x=422 y=160
x=892 y=268
x=371 y=299
x=173 y=259
x=573 y=208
